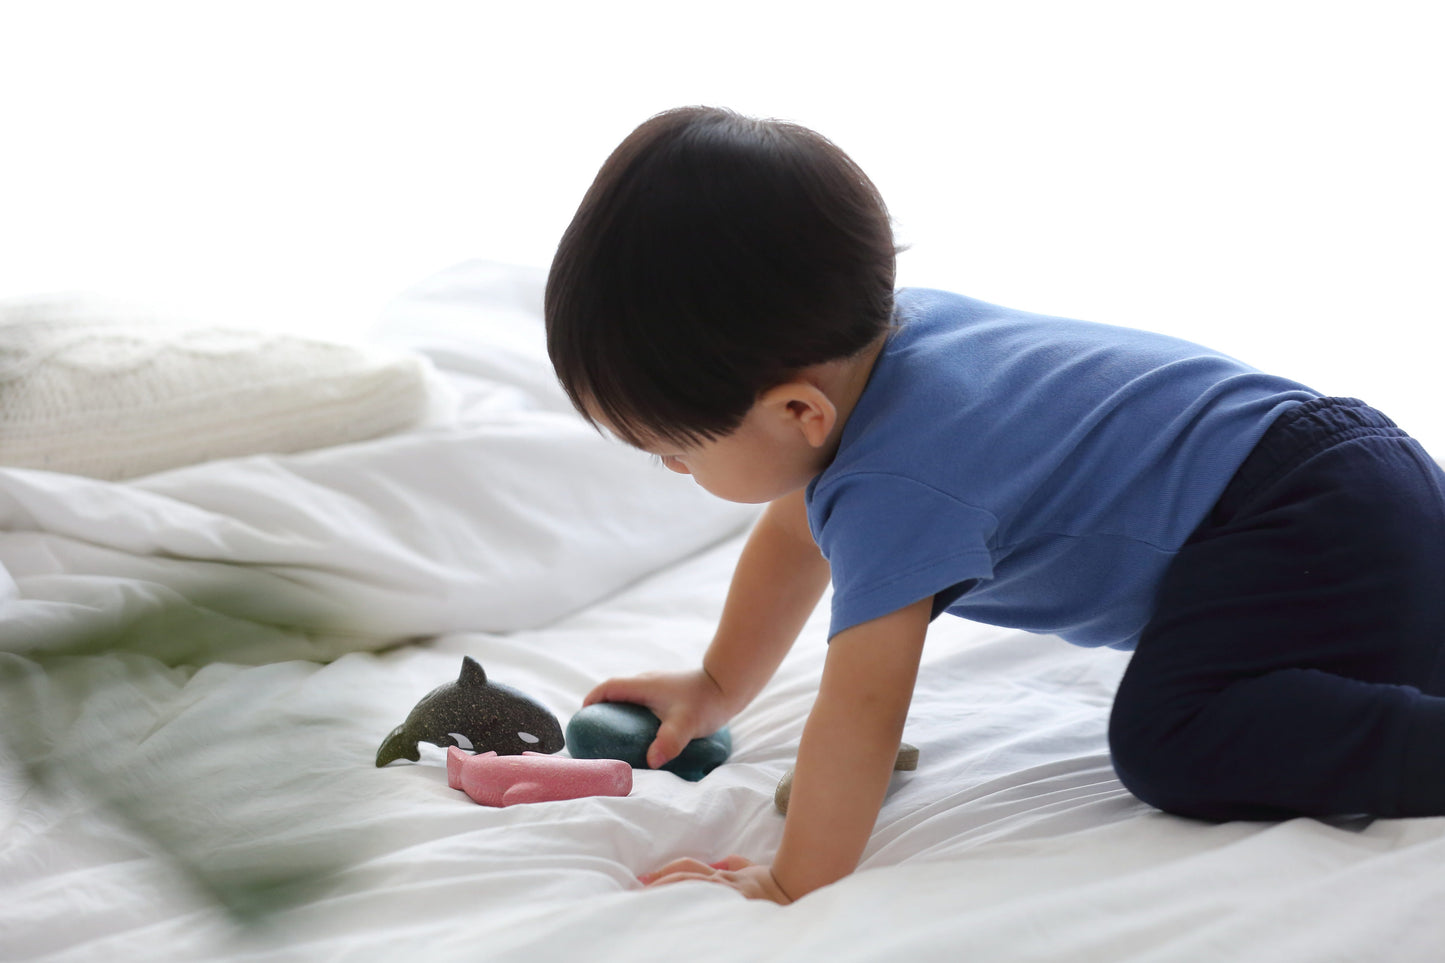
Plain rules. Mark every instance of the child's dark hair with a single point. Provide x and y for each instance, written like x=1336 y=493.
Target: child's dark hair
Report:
x=714 y=256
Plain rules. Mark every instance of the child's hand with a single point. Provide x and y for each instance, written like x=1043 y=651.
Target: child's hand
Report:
x=753 y=880
x=688 y=705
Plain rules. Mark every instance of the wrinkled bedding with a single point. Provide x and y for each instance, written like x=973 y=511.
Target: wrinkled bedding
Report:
x=197 y=668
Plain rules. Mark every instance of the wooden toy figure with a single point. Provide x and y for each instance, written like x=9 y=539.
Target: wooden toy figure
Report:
x=474 y=714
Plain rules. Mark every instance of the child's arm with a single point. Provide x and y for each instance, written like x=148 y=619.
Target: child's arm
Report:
x=848 y=749
x=844 y=762
x=778 y=581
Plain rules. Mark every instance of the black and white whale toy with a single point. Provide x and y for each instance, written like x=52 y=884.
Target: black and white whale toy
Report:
x=474 y=714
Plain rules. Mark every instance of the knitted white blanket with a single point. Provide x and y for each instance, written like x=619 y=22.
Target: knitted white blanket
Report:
x=89 y=387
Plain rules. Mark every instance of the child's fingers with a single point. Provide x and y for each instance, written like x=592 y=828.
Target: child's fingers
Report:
x=666 y=746
x=742 y=875
x=618 y=690
x=663 y=695
x=677 y=871
x=599 y=693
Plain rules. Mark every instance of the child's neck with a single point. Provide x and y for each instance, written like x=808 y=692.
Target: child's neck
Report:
x=844 y=381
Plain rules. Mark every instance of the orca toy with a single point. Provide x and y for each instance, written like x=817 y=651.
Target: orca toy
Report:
x=474 y=714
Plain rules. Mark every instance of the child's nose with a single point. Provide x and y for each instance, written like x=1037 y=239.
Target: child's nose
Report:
x=674 y=463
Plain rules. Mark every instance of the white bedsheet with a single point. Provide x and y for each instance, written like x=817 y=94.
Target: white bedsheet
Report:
x=508 y=515
x=211 y=795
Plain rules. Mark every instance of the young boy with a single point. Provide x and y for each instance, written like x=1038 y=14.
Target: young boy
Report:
x=724 y=299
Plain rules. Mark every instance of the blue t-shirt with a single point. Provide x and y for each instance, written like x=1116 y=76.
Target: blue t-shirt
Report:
x=1030 y=471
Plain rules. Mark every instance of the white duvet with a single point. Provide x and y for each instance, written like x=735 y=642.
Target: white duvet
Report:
x=200 y=665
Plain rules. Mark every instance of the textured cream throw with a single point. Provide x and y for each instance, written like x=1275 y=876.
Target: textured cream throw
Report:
x=94 y=388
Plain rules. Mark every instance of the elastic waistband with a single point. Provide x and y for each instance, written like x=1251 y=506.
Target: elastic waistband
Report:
x=1300 y=433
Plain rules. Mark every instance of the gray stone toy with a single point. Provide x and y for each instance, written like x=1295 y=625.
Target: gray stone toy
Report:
x=474 y=714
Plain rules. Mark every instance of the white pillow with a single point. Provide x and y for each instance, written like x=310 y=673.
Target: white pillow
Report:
x=90 y=387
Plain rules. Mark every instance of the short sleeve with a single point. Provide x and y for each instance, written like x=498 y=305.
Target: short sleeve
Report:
x=891 y=541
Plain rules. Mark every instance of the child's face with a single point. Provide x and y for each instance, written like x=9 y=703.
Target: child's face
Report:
x=758 y=462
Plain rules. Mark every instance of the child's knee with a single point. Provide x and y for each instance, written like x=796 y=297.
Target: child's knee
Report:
x=1140 y=760
x=1160 y=767
x=1211 y=747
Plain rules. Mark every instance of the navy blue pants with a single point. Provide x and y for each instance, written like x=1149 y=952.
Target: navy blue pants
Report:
x=1295 y=663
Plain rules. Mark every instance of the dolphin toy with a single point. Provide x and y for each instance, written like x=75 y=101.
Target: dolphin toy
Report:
x=474 y=714
x=494 y=780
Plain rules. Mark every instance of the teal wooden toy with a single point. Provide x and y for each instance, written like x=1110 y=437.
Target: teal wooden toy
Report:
x=622 y=730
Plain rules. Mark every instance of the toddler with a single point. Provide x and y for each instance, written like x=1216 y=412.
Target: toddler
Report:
x=724 y=299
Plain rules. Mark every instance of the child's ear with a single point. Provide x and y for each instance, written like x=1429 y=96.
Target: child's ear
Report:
x=803 y=406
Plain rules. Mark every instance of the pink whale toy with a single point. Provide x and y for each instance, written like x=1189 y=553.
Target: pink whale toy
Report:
x=494 y=780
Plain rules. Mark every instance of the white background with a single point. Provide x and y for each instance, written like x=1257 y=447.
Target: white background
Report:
x=1264 y=177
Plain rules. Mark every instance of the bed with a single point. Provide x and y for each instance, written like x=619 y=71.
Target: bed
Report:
x=200 y=662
